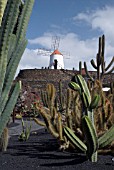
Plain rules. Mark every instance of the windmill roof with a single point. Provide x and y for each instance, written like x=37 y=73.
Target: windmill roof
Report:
x=56 y=52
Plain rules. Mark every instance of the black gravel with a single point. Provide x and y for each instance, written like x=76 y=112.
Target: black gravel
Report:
x=42 y=152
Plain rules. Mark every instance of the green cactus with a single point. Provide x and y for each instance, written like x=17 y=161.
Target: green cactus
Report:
x=91 y=146
x=107 y=138
x=12 y=45
x=100 y=65
x=60 y=96
x=88 y=117
x=90 y=136
x=3 y=4
x=74 y=139
x=77 y=110
x=44 y=98
x=24 y=136
x=93 y=142
x=80 y=68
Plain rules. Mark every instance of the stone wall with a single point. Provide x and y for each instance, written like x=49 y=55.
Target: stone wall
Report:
x=39 y=78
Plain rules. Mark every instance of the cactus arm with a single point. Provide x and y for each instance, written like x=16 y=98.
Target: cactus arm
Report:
x=103 y=45
x=74 y=139
x=87 y=72
x=90 y=136
x=84 y=87
x=2 y=8
x=102 y=54
x=9 y=107
x=24 y=17
x=11 y=47
x=110 y=71
x=80 y=68
x=11 y=72
x=8 y=28
x=15 y=59
x=93 y=64
x=4 y=22
x=94 y=157
x=60 y=95
x=94 y=102
x=85 y=101
x=48 y=122
x=39 y=122
x=107 y=138
x=110 y=64
x=74 y=86
x=60 y=127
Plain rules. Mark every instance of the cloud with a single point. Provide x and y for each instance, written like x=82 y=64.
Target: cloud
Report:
x=44 y=41
x=100 y=19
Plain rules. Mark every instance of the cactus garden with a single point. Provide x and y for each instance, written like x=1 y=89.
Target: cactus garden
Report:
x=60 y=128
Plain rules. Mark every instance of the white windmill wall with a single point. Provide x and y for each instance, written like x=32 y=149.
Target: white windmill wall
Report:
x=60 y=62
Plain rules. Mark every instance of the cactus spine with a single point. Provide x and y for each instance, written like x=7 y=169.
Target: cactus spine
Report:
x=12 y=45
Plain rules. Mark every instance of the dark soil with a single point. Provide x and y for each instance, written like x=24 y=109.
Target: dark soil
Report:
x=41 y=152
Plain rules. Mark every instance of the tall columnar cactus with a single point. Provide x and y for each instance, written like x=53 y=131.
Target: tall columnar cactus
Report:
x=60 y=96
x=3 y=4
x=100 y=64
x=12 y=45
x=101 y=60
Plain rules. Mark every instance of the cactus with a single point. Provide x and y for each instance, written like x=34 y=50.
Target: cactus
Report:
x=74 y=139
x=3 y=4
x=12 y=45
x=80 y=68
x=4 y=140
x=93 y=142
x=100 y=65
x=51 y=97
x=24 y=136
x=81 y=105
x=61 y=105
x=88 y=117
x=107 y=138
x=90 y=136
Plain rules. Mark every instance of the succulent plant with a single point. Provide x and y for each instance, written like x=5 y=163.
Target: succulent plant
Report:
x=93 y=142
x=100 y=64
x=14 y=20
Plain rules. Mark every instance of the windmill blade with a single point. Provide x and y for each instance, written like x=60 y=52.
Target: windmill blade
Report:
x=55 y=42
x=44 y=52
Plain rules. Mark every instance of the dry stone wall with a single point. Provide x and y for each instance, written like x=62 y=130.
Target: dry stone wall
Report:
x=38 y=79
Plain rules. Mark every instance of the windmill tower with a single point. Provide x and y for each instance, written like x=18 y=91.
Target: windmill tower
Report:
x=56 y=58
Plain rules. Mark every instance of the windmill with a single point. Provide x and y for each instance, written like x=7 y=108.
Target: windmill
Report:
x=56 y=57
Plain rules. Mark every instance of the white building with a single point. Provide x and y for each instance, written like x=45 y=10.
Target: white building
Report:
x=56 y=60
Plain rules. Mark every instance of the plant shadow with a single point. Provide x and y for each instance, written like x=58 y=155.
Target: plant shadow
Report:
x=43 y=147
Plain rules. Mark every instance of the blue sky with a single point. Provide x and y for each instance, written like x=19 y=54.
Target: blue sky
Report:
x=78 y=23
